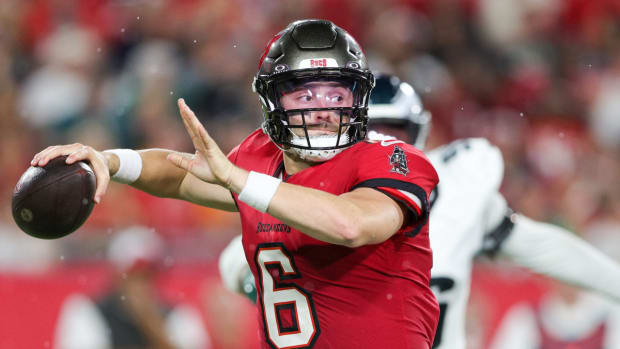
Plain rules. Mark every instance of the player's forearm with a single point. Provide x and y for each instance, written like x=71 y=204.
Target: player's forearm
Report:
x=335 y=219
x=158 y=176
x=555 y=252
x=321 y=215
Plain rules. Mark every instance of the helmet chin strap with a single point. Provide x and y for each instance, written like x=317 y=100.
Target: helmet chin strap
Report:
x=318 y=141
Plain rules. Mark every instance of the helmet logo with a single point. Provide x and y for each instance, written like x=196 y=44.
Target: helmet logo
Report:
x=398 y=160
x=318 y=63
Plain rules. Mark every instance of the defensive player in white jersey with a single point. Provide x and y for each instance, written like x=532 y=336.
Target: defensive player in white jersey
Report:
x=470 y=172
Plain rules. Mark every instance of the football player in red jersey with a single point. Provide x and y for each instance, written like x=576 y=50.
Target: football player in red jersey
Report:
x=335 y=228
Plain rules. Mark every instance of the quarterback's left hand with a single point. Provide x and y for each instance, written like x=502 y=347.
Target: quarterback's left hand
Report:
x=209 y=163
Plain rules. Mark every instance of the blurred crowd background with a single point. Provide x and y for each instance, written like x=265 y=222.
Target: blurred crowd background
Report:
x=539 y=78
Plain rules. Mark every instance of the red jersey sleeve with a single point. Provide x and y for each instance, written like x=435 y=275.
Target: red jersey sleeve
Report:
x=403 y=173
x=232 y=156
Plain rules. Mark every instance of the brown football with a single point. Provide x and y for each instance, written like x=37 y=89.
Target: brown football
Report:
x=52 y=201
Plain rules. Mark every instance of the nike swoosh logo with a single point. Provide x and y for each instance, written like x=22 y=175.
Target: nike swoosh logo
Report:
x=390 y=142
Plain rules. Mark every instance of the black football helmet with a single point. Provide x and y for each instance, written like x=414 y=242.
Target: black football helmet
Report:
x=395 y=104
x=313 y=50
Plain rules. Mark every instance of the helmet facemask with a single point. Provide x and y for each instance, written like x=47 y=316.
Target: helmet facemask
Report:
x=313 y=52
x=316 y=114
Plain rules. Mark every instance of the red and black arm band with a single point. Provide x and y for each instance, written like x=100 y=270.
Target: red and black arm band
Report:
x=410 y=195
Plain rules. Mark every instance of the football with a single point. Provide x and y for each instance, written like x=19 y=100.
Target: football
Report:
x=52 y=201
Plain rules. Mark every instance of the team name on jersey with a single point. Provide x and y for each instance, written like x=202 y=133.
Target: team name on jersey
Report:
x=277 y=228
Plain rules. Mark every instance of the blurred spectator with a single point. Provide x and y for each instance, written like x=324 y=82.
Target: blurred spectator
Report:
x=565 y=318
x=605 y=108
x=24 y=254
x=57 y=94
x=132 y=315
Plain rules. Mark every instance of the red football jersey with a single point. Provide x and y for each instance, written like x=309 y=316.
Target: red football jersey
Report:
x=312 y=294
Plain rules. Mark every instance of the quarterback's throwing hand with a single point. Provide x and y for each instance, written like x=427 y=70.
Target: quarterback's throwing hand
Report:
x=78 y=152
x=209 y=163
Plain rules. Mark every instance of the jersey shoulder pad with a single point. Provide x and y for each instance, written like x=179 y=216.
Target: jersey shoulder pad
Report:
x=475 y=158
x=391 y=156
x=256 y=141
x=400 y=171
x=256 y=144
x=385 y=144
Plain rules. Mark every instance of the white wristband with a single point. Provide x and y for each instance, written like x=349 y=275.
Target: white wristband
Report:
x=259 y=190
x=130 y=165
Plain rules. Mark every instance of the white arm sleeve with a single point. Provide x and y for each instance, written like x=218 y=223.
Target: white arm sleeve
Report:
x=498 y=225
x=612 y=340
x=233 y=266
x=550 y=250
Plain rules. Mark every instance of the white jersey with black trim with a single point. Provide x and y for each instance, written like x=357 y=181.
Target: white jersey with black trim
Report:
x=467 y=213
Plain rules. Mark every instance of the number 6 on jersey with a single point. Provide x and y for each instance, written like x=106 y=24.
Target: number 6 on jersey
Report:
x=279 y=300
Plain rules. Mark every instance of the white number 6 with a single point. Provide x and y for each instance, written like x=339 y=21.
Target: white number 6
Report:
x=278 y=297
